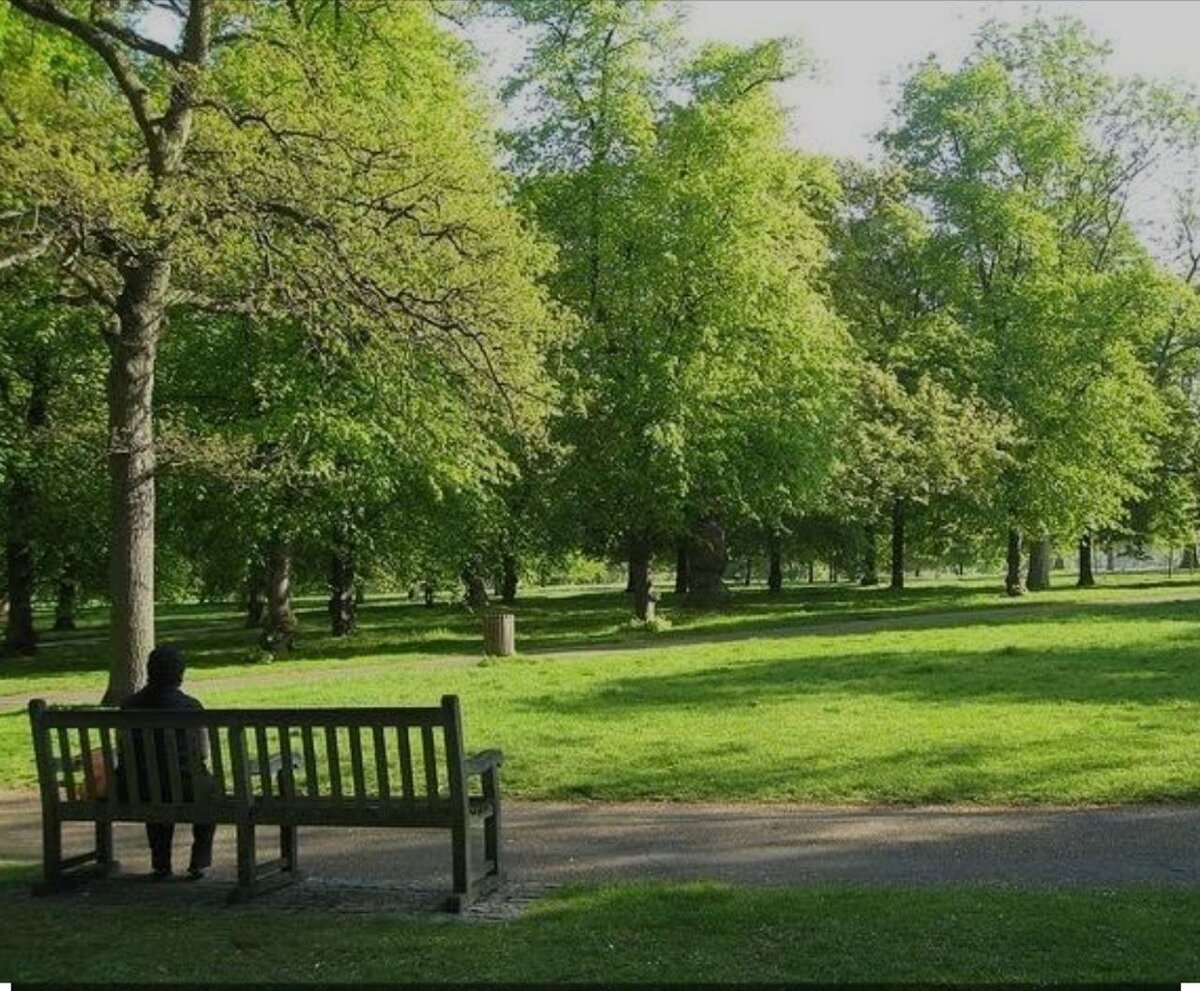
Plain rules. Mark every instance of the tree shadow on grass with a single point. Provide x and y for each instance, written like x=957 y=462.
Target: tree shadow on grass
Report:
x=1157 y=671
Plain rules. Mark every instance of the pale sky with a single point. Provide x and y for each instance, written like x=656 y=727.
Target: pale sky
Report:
x=865 y=45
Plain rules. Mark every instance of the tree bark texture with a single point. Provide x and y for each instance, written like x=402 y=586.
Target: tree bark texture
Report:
x=475 y=589
x=774 y=564
x=641 y=582
x=279 y=626
x=870 y=575
x=1013 y=585
x=343 y=610
x=708 y=560
x=509 y=579
x=256 y=586
x=131 y=466
x=683 y=580
x=1040 y=555
x=64 y=606
x=1087 y=576
x=898 y=519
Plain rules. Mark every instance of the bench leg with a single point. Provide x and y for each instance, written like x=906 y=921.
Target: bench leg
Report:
x=288 y=848
x=52 y=868
x=245 y=863
x=491 y=825
x=460 y=853
x=104 y=848
x=61 y=873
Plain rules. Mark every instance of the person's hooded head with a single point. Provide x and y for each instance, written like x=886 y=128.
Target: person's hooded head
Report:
x=165 y=667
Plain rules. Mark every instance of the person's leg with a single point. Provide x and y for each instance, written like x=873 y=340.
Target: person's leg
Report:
x=202 y=847
x=160 y=835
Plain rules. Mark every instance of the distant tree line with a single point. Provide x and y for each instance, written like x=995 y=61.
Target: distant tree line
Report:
x=282 y=306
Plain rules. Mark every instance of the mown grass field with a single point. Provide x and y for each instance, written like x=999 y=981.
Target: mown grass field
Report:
x=946 y=693
x=631 y=933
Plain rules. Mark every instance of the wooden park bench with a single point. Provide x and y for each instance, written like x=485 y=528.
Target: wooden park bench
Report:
x=284 y=768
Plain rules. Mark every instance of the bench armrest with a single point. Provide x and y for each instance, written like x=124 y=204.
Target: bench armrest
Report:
x=483 y=761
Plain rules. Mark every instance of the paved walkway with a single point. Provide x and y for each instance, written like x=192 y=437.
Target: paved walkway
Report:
x=549 y=843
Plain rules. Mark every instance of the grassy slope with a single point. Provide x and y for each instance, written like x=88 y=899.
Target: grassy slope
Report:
x=1065 y=697
x=631 y=933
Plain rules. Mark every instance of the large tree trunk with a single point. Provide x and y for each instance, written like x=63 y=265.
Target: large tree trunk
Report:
x=131 y=465
x=475 y=594
x=774 y=563
x=641 y=581
x=279 y=626
x=1087 y=577
x=708 y=559
x=1040 y=556
x=342 y=606
x=870 y=575
x=508 y=579
x=256 y=586
x=1188 y=558
x=1012 y=578
x=683 y=580
x=898 y=515
x=19 y=634
x=64 y=606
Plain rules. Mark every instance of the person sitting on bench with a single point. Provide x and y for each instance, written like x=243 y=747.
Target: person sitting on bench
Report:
x=164 y=673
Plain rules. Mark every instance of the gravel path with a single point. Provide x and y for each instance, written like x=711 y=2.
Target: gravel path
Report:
x=552 y=843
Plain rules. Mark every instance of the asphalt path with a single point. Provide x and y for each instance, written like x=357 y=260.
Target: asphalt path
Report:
x=553 y=843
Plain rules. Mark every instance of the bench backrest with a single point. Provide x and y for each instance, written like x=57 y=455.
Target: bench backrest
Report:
x=409 y=756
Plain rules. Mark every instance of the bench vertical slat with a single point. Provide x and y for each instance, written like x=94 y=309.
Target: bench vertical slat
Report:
x=356 y=764
x=240 y=769
x=264 y=759
x=129 y=766
x=407 y=787
x=110 y=767
x=150 y=756
x=312 y=783
x=287 y=774
x=89 y=770
x=430 y=755
x=217 y=760
x=174 y=763
x=64 y=757
x=379 y=743
x=335 y=761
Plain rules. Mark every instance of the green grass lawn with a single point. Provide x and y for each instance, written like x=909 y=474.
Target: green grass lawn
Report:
x=629 y=933
x=946 y=693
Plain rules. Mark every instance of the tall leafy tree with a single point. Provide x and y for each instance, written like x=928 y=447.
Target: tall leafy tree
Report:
x=1024 y=158
x=303 y=161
